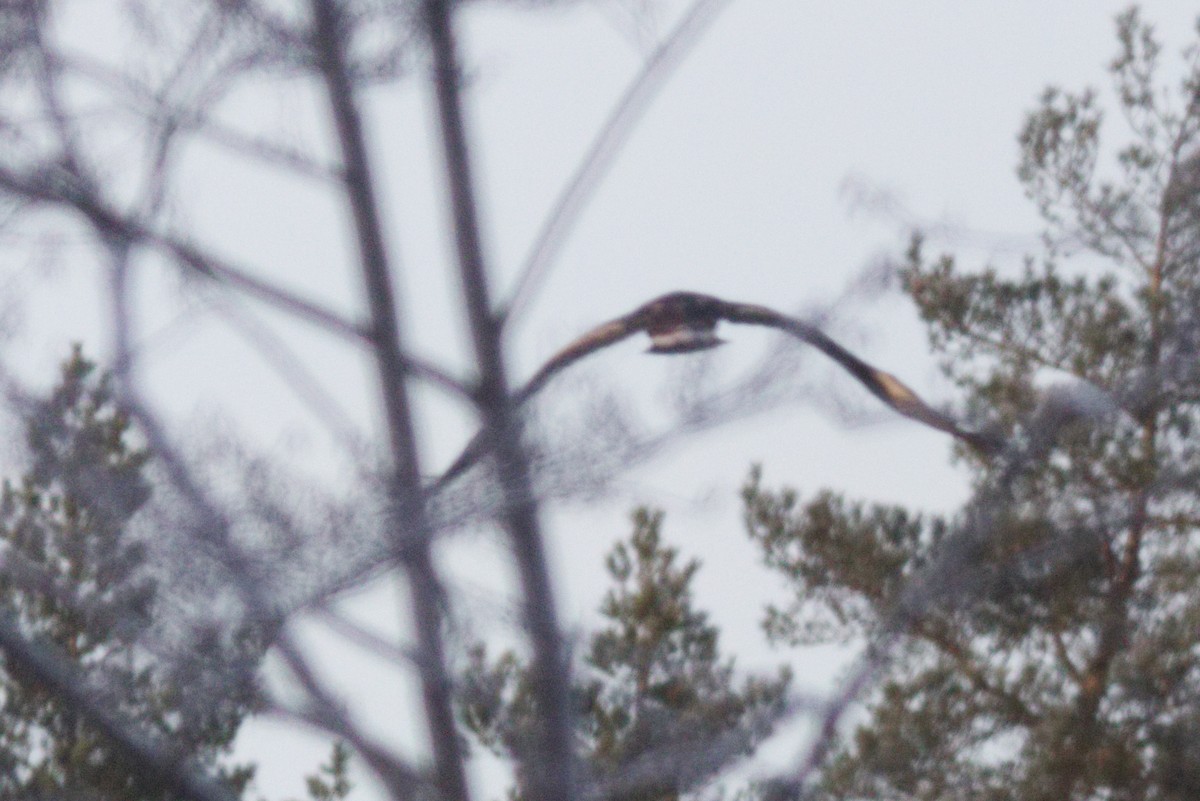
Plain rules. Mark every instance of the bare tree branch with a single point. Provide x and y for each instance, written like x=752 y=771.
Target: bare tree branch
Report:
x=212 y=525
x=193 y=119
x=367 y=639
x=610 y=139
x=551 y=767
x=292 y=370
x=410 y=523
x=212 y=266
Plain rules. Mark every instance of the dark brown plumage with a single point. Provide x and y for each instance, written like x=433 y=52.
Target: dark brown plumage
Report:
x=684 y=322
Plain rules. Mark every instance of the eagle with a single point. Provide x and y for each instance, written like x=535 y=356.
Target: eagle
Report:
x=685 y=322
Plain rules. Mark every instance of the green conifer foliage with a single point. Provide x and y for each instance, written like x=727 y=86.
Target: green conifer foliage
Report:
x=332 y=780
x=660 y=711
x=1065 y=661
x=74 y=578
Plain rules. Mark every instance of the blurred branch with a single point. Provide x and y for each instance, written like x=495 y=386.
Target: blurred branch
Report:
x=52 y=188
x=292 y=370
x=605 y=148
x=111 y=224
x=212 y=525
x=211 y=266
x=365 y=638
x=192 y=119
x=830 y=718
x=165 y=134
x=47 y=77
x=551 y=765
x=410 y=523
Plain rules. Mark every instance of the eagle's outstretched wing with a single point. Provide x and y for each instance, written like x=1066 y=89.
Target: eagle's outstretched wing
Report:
x=883 y=385
x=599 y=337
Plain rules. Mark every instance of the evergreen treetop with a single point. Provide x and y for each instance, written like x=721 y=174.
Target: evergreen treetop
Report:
x=76 y=578
x=1061 y=662
x=660 y=712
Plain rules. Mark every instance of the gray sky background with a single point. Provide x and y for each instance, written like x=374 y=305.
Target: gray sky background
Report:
x=734 y=184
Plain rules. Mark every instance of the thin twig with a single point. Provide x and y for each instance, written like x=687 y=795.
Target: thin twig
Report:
x=610 y=139
x=291 y=369
x=212 y=266
x=213 y=527
x=194 y=120
x=60 y=190
x=365 y=638
x=47 y=75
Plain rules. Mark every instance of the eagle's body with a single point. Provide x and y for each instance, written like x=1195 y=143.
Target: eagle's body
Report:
x=681 y=322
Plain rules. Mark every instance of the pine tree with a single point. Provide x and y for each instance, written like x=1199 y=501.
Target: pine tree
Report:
x=74 y=577
x=659 y=710
x=1067 y=666
x=331 y=782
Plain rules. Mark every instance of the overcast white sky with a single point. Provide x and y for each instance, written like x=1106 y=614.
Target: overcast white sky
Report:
x=732 y=185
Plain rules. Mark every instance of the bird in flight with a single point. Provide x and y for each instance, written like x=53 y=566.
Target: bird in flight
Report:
x=684 y=322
